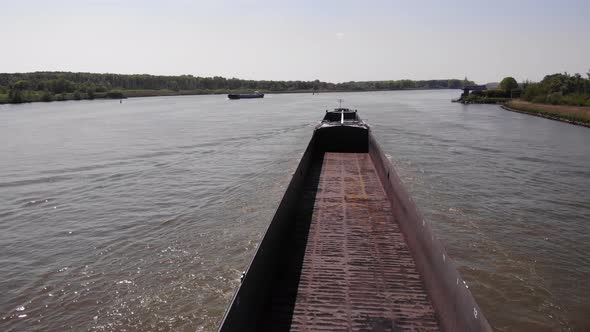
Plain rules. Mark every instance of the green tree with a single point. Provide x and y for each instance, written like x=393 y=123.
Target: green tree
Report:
x=316 y=85
x=46 y=96
x=115 y=94
x=15 y=96
x=16 y=92
x=453 y=84
x=21 y=85
x=508 y=84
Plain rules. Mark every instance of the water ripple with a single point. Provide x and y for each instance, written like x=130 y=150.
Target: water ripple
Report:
x=146 y=222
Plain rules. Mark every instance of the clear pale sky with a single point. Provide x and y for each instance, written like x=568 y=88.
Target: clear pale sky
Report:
x=299 y=40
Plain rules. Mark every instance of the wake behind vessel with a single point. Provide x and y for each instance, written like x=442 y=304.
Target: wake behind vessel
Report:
x=347 y=249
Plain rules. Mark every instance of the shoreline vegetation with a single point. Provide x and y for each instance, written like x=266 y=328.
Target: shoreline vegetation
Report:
x=506 y=90
x=58 y=86
x=555 y=89
x=560 y=97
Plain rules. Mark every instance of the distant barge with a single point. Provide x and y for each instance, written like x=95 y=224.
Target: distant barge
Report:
x=348 y=250
x=245 y=95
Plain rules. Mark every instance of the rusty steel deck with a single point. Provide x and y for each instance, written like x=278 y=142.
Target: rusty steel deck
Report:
x=349 y=267
x=348 y=249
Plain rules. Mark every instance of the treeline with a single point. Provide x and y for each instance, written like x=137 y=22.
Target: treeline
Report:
x=559 y=89
x=48 y=86
x=555 y=89
x=506 y=90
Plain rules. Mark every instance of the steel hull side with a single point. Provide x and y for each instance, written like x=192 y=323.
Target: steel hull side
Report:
x=453 y=302
x=251 y=298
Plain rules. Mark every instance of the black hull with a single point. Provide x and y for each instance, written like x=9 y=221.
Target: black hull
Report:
x=348 y=244
x=245 y=96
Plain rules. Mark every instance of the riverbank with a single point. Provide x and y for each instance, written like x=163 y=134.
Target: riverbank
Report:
x=51 y=86
x=34 y=96
x=578 y=115
x=37 y=96
x=472 y=99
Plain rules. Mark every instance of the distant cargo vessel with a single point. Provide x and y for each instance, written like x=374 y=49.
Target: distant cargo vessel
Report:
x=348 y=250
x=245 y=95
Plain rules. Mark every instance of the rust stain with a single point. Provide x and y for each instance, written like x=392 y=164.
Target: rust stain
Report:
x=350 y=268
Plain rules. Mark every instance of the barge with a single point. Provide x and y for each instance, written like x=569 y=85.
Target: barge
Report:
x=245 y=95
x=348 y=250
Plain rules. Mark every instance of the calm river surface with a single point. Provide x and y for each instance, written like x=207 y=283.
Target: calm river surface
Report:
x=141 y=216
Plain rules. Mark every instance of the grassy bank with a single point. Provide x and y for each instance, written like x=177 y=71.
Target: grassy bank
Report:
x=573 y=114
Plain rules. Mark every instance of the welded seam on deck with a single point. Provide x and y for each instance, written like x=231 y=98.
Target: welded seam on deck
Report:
x=346 y=258
x=374 y=245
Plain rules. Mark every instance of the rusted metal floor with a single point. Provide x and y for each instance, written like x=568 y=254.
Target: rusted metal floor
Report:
x=349 y=268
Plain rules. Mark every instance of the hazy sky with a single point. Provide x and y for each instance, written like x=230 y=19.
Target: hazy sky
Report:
x=299 y=40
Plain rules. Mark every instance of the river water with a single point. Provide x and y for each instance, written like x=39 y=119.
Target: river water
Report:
x=141 y=215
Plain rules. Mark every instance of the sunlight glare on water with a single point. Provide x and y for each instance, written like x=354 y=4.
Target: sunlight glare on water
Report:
x=142 y=215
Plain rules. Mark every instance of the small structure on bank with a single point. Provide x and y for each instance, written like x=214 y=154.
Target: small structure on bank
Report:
x=467 y=89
